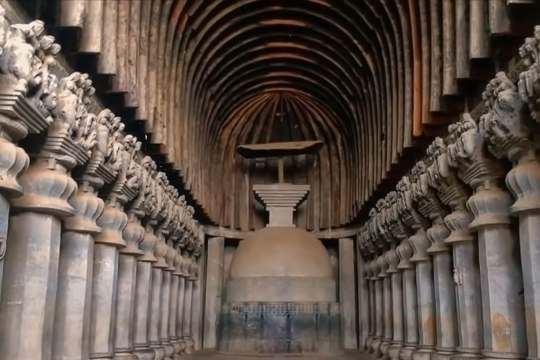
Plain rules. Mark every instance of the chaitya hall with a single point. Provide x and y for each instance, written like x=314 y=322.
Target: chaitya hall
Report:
x=267 y=179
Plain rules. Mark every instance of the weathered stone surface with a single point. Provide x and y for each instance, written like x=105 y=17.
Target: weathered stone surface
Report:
x=100 y=256
x=214 y=289
x=347 y=298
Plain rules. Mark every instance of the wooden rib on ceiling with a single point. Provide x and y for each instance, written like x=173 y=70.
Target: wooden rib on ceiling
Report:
x=363 y=76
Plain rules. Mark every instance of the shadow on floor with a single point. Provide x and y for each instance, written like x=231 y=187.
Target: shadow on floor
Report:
x=221 y=356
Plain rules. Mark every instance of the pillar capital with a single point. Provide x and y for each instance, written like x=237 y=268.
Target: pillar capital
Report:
x=384 y=214
x=437 y=235
x=373 y=269
x=504 y=123
x=178 y=262
x=98 y=170
x=26 y=84
x=134 y=232
x=112 y=221
x=14 y=161
x=379 y=232
x=490 y=207
x=152 y=206
x=469 y=155
x=405 y=206
x=124 y=189
x=160 y=252
x=426 y=201
x=47 y=188
x=442 y=178
x=68 y=142
x=148 y=245
x=458 y=223
x=450 y=190
x=365 y=245
x=193 y=268
x=530 y=76
x=171 y=257
x=382 y=266
x=467 y=151
x=367 y=270
x=163 y=230
x=133 y=235
x=420 y=244
x=88 y=207
x=509 y=134
x=397 y=227
x=404 y=252
x=392 y=260
x=105 y=161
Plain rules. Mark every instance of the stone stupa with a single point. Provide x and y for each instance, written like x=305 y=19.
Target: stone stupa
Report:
x=281 y=292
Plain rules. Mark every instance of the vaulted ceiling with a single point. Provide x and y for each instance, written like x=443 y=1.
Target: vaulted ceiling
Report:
x=369 y=78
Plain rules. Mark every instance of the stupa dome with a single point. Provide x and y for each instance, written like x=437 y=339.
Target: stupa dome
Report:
x=281 y=264
x=281 y=251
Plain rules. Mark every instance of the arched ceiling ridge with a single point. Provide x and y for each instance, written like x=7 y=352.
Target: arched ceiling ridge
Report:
x=288 y=68
x=200 y=53
x=366 y=77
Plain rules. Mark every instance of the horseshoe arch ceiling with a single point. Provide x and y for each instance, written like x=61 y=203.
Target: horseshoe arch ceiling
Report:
x=368 y=78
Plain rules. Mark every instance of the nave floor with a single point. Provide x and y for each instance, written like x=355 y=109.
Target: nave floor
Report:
x=218 y=356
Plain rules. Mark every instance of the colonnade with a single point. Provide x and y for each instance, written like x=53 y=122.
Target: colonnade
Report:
x=100 y=254
x=453 y=257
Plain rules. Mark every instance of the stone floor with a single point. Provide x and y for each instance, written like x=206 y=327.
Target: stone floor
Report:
x=216 y=356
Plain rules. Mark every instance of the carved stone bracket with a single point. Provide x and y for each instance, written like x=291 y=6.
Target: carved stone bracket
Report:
x=529 y=79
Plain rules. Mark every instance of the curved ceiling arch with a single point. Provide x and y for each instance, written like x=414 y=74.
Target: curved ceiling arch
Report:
x=365 y=76
x=229 y=54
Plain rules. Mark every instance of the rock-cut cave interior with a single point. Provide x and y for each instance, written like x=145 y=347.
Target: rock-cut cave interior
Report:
x=262 y=179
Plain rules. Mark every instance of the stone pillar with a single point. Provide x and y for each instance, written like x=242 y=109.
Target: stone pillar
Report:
x=379 y=311
x=107 y=244
x=430 y=206
x=25 y=63
x=374 y=300
x=425 y=296
x=363 y=300
x=31 y=265
x=500 y=277
x=30 y=272
x=347 y=294
x=397 y=304
x=467 y=287
x=466 y=280
x=72 y=316
x=188 y=294
x=371 y=303
x=124 y=324
x=104 y=289
x=180 y=315
x=174 y=334
x=511 y=133
x=14 y=161
x=173 y=303
x=445 y=302
x=73 y=305
x=387 y=307
x=524 y=182
x=143 y=292
x=214 y=288
x=197 y=306
x=155 y=302
x=166 y=303
x=409 y=304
